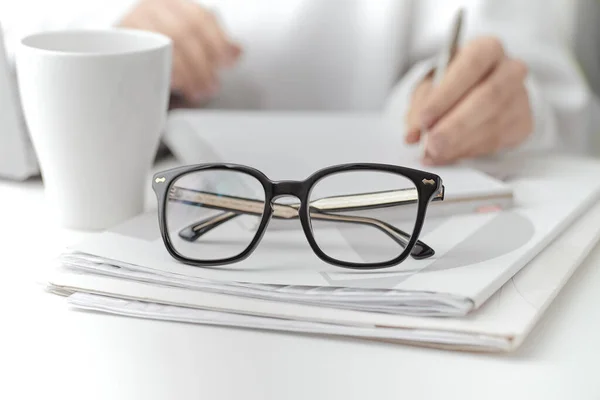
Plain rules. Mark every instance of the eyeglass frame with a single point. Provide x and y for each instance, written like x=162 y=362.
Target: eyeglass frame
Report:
x=429 y=188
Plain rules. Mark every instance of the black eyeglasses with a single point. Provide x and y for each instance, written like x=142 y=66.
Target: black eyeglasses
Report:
x=351 y=214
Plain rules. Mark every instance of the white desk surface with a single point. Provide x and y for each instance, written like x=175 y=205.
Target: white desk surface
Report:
x=50 y=351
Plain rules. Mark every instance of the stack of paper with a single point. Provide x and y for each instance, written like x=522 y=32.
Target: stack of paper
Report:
x=476 y=280
x=501 y=324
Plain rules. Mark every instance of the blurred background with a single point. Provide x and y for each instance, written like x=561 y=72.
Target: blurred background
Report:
x=580 y=26
x=574 y=21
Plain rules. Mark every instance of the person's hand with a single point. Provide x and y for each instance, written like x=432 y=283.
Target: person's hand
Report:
x=480 y=107
x=200 y=47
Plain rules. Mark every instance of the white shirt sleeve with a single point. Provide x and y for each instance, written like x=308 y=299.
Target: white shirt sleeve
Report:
x=559 y=96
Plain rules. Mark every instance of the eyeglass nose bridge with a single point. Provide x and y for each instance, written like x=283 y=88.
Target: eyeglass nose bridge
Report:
x=287 y=188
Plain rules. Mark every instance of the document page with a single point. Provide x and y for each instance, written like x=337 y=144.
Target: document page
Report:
x=475 y=254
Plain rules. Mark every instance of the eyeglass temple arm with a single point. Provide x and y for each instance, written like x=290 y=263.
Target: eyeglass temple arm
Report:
x=197 y=229
x=421 y=250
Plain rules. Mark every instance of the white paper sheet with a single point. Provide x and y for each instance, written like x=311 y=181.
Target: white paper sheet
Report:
x=375 y=300
x=139 y=309
x=502 y=324
x=475 y=254
x=293 y=145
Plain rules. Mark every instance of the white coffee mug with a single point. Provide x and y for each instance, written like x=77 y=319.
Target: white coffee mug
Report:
x=95 y=102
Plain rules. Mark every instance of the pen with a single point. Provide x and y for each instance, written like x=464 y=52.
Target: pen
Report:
x=445 y=57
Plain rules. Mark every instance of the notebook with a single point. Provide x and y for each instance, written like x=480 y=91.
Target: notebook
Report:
x=490 y=287
x=475 y=254
x=502 y=324
x=293 y=145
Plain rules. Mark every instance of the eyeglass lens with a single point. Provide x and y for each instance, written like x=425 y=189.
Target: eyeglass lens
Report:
x=363 y=216
x=213 y=214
